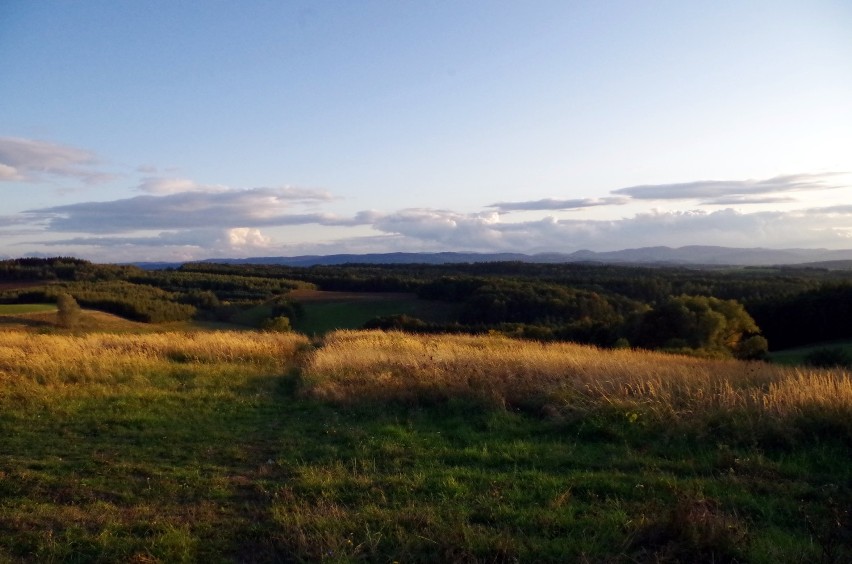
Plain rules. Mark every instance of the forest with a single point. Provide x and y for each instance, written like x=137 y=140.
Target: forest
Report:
x=714 y=312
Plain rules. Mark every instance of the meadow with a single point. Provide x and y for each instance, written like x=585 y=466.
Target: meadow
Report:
x=323 y=312
x=14 y=309
x=223 y=446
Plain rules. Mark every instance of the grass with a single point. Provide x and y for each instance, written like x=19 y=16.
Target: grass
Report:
x=568 y=379
x=243 y=446
x=797 y=356
x=329 y=311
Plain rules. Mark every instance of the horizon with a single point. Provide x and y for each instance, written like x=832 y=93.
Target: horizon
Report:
x=169 y=133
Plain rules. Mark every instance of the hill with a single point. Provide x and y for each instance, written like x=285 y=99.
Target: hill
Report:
x=694 y=255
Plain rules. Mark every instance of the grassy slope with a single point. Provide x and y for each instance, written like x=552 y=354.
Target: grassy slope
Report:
x=164 y=453
x=796 y=356
x=16 y=309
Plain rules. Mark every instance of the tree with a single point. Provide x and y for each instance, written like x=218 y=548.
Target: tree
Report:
x=703 y=324
x=279 y=324
x=69 y=313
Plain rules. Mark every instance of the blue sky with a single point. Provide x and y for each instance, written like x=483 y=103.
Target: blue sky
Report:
x=182 y=130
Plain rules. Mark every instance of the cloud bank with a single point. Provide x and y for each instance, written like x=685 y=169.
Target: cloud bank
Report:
x=174 y=218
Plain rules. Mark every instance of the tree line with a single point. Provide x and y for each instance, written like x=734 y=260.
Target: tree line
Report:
x=718 y=311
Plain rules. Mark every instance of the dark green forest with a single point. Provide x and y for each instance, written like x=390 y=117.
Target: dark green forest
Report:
x=739 y=312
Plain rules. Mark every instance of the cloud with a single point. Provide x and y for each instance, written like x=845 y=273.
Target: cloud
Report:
x=247 y=237
x=159 y=186
x=728 y=188
x=205 y=207
x=232 y=239
x=552 y=204
x=28 y=159
x=845 y=209
x=748 y=200
x=444 y=226
x=163 y=186
x=176 y=217
x=441 y=230
x=9 y=173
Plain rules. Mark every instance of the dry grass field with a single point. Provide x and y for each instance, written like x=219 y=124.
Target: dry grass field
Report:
x=564 y=378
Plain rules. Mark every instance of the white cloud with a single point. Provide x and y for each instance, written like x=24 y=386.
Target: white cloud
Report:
x=162 y=186
x=9 y=173
x=726 y=227
x=247 y=237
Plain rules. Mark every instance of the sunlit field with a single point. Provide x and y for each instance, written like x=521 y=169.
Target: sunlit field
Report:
x=262 y=446
x=567 y=379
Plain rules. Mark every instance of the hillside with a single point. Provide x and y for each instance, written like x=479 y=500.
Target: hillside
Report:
x=223 y=446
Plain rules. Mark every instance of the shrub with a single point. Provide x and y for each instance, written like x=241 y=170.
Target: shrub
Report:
x=69 y=312
x=280 y=324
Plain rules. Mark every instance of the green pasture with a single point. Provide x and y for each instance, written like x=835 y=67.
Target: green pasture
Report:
x=320 y=317
x=18 y=309
x=797 y=356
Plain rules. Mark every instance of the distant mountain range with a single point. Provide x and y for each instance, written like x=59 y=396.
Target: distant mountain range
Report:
x=694 y=255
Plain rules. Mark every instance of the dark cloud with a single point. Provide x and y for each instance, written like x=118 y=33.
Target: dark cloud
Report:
x=749 y=200
x=219 y=207
x=27 y=159
x=727 y=188
x=557 y=205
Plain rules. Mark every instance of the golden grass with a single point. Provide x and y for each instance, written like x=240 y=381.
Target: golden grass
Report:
x=357 y=365
x=28 y=359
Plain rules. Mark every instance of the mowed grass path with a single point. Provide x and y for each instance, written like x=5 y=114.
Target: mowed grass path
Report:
x=222 y=447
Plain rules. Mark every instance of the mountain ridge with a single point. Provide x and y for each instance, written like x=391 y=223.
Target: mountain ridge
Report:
x=690 y=255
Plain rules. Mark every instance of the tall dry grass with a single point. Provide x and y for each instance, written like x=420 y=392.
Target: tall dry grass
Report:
x=29 y=361
x=372 y=365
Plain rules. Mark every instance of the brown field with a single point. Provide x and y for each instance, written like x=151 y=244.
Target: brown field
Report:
x=562 y=379
x=90 y=320
x=45 y=360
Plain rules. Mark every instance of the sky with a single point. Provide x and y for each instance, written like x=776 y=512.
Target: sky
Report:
x=174 y=131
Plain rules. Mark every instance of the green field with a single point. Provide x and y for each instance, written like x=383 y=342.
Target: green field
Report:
x=18 y=309
x=148 y=448
x=322 y=316
x=796 y=356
